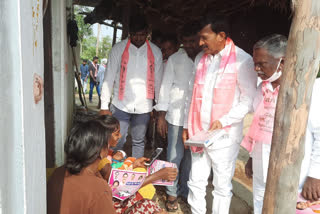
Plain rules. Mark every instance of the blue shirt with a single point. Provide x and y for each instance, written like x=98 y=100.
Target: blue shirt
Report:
x=84 y=70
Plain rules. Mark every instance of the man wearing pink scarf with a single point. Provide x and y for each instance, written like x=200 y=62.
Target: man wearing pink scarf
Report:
x=220 y=95
x=269 y=55
x=132 y=83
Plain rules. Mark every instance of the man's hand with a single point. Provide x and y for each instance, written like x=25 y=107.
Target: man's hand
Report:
x=248 y=168
x=162 y=125
x=105 y=112
x=185 y=137
x=311 y=189
x=85 y=79
x=168 y=173
x=215 y=125
x=140 y=162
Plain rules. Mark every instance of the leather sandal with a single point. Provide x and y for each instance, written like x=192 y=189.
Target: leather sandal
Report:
x=173 y=204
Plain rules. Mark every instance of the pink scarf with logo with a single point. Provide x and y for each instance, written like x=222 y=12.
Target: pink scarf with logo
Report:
x=223 y=92
x=261 y=128
x=150 y=71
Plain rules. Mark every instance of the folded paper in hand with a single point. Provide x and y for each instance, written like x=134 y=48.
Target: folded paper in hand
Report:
x=206 y=138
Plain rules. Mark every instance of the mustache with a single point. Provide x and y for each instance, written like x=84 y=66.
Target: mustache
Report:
x=204 y=46
x=260 y=72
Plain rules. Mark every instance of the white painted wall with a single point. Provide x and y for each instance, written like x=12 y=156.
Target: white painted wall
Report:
x=22 y=146
x=63 y=76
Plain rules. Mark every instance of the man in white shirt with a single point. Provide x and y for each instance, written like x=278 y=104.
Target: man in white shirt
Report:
x=269 y=55
x=169 y=45
x=309 y=185
x=134 y=86
x=224 y=74
x=170 y=108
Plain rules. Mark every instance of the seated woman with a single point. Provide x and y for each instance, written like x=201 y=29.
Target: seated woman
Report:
x=140 y=202
x=77 y=187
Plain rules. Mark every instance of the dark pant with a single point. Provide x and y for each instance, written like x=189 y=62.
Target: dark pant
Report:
x=92 y=84
x=138 y=124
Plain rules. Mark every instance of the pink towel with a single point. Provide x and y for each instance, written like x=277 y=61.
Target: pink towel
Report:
x=150 y=71
x=261 y=128
x=223 y=92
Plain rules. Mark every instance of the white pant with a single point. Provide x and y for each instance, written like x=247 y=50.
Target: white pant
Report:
x=222 y=161
x=84 y=85
x=260 y=161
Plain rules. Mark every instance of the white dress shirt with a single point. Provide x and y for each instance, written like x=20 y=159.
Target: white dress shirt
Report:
x=244 y=93
x=135 y=96
x=261 y=151
x=174 y=87
x=311 y=163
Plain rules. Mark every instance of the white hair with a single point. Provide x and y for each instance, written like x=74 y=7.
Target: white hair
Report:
x=275 y=44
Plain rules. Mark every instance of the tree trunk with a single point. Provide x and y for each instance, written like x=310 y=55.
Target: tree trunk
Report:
x=300 y=71
x=98 y=39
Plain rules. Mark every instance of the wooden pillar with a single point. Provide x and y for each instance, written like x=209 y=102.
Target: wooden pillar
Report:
x=48 y=88
x=98 y=39
x=300 y=71
x=115 y=28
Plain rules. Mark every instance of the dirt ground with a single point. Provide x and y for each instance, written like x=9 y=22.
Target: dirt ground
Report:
x=238 y=206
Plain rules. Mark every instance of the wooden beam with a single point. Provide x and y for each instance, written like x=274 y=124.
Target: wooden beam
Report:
x=300 y=70
x=110 y=25
x=90 y=3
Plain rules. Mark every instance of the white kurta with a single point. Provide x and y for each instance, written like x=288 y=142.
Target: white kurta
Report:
x=222 y=160
x=135 y=96
x=311 y=162
x=244 y=93
x=174 y=87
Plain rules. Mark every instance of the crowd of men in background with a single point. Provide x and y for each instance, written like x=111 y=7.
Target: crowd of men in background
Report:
x=200 y=80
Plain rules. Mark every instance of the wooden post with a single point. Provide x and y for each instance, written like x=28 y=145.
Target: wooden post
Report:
x=98 y=39
x=115 y=28
x=48 y=88
x=300 y=71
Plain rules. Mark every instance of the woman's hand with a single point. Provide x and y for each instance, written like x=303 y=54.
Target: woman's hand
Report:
x=168 y=173
x=140 y=162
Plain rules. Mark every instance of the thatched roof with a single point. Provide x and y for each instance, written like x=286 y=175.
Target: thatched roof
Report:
x=165 y=13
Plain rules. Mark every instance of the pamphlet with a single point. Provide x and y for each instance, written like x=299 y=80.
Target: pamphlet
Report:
x=206 y=138
x=158 y=165
x=125 y=183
